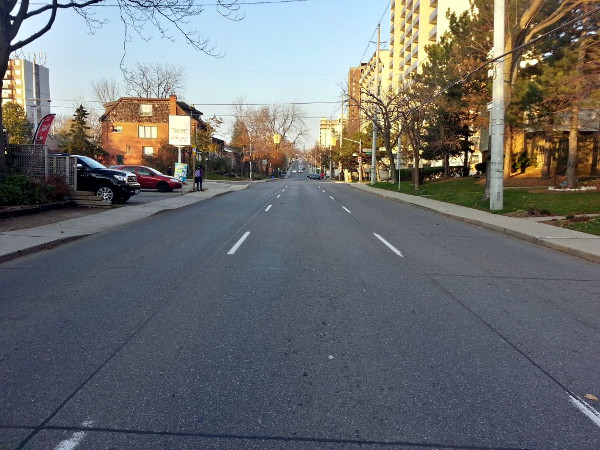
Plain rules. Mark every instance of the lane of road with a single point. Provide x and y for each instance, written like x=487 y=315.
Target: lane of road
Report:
x=340 y=319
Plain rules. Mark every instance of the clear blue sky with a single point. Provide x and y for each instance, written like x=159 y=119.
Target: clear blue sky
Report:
x=281 y=52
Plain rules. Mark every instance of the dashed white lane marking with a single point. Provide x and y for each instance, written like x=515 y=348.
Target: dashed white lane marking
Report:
x=390 y=246
x=586 y=409
x=240 y=242
x=278 y=195
x=268 y=208
x=74 y=440
x=346 y=209
x=331 y=197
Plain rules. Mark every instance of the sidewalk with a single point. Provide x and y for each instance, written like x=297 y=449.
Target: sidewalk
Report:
x=24 y=241
x=583 y=245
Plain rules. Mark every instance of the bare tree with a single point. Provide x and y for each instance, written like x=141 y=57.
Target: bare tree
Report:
x=154 y=80
x=387 y=109
x=106 y=91
x=170 y=18
x=260 y=125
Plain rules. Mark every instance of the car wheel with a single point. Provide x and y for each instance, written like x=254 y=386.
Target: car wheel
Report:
x=162 y=187
x=106 y=192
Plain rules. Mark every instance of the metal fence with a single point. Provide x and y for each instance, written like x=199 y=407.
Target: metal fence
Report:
x=34 y=161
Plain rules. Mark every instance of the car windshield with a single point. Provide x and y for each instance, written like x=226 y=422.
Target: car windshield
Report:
x=91 y=162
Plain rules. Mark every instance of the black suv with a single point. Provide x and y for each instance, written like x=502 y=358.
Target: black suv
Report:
x=114 y=185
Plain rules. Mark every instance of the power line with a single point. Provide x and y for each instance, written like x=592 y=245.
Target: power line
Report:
x=375 y=31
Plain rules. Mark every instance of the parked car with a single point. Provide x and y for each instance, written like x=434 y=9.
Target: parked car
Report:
x=314 y=176
x=114 y=185
x=151 y=178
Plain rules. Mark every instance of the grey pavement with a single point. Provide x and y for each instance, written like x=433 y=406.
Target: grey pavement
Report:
x=28 y=240
x=20 y=242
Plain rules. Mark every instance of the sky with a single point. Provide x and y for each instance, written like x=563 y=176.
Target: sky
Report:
x=282 y=51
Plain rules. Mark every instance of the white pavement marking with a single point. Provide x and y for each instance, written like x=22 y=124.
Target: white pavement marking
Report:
x=74 y=440
x=240 y=242
x=268 y=208
x=586 y=409
x=346 y=209
x=390 y=246
x=279 y=196
x=331 y=197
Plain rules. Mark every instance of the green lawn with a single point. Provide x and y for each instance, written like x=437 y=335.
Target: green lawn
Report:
x=470 y=192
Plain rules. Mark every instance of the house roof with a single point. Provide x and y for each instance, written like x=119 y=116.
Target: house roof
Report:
x=189 y=110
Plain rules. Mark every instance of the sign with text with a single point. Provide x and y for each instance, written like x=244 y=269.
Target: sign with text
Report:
x=180 y=130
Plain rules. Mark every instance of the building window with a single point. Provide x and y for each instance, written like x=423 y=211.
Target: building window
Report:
x=128 y=150
x=145 y=110
x=18 y=72
x=117 y=129
x=147 y=151
x=147 y=132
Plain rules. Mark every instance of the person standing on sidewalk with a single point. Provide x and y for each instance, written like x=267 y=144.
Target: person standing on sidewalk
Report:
x=198 y=175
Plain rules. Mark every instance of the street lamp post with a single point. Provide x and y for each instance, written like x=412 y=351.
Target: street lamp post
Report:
x=277 y=141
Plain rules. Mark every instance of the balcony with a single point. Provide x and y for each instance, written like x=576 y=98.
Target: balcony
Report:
x=415 y=23
x=433 y=3
x=433 y=34
x=433 y=16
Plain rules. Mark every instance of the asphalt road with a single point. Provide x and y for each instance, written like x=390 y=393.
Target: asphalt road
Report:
x=299 y=314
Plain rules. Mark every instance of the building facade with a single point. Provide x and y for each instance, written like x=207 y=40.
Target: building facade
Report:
x=330 y=131
x=27 y=83
x=413 y=25
x=134 y=127
x=354 y=76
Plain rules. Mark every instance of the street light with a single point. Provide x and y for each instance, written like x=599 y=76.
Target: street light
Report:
x=277 y=141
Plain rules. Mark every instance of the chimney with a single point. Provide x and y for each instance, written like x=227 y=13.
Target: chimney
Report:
x=172 y=105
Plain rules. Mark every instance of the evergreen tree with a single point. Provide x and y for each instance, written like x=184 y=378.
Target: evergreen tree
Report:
x=18 y=128
x=78 y=141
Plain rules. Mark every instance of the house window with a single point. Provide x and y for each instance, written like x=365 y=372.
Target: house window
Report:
x=145 y=110
x=147 y=151
x=117 y=129
x=147 y=132
x=128 y=150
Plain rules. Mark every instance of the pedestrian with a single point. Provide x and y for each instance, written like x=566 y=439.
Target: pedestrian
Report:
x=198 y=178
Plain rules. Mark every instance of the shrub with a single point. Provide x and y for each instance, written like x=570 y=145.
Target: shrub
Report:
x=18 y=190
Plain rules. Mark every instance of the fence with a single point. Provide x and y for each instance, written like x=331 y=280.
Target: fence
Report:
x=34 y=161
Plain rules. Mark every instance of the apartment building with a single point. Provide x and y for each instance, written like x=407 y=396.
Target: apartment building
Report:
x=330 y=131
x=133 y=127
x=28 y=84
x=415 y=24
x=354 y=77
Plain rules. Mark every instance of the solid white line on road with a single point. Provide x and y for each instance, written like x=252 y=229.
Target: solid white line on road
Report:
x=586 y=409
x=346 y=209
x=268 y=208
x=390 y=246
x=331 y=197
x=74 y=440
x=240 y=242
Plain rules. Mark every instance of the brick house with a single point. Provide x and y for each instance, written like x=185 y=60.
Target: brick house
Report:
x=133 y=127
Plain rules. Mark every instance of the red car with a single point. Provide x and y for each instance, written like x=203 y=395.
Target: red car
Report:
x=152 y=179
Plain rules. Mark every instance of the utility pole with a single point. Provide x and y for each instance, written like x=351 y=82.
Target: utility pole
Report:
x=496 y=171
x=374 y=145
